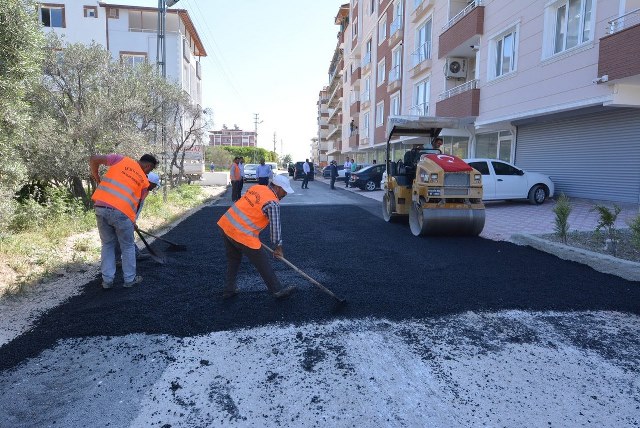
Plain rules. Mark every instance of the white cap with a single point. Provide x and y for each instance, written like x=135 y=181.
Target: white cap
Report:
x=154 y=178
x=282 y=181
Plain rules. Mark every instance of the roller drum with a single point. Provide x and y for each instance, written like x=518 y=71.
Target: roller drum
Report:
x=445 y=221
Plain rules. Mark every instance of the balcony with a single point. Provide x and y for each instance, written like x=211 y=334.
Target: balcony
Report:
x=335 y=98
x=334 y=133
x=335 y=115
x=354 y=107
x=365 y=99
x=420 y=9
x=395 y=79
x=395 y=31
x=618 y=56
x=464 y=29
x=419 y=110
x=421 y=59
x=366 y=62
x=461 y=101
x=354 y=139
x=356 y=75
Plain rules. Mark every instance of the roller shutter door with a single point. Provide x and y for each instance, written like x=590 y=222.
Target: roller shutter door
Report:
x=594 y=156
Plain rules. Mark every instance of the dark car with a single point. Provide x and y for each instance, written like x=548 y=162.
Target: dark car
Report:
x=326 y=172
x=291 y=168
x=368 y=178
x=299 y=171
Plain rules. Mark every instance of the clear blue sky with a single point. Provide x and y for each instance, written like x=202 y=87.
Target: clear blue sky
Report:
x=264 y=56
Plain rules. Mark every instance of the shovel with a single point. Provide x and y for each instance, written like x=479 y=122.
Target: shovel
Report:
x=172 y=245
x=154 y=255
x=313 y=281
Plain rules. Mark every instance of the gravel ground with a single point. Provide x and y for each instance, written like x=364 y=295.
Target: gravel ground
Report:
x=596 y=242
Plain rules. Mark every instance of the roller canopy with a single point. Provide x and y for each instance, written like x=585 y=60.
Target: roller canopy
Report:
x=420 y=126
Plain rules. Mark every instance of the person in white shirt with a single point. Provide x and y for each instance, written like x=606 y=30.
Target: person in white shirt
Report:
x=347 y=172
x=263 y=173
x=306 y=168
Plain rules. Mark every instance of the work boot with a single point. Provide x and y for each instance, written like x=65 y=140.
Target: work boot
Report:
x=106 y=285
x=285 y=292
x=136 y=280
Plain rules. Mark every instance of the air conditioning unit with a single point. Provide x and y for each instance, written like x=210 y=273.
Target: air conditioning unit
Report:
x=456 y=68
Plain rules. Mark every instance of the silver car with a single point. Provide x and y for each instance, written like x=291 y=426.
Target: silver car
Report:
x=250 y=172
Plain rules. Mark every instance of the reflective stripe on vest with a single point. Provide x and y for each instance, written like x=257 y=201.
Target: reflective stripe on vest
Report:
x=244 y=220
x=122 y=186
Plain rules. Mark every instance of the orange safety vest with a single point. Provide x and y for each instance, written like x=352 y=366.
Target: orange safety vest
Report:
x=235 y=172
x=244 y=221
x=121 y=187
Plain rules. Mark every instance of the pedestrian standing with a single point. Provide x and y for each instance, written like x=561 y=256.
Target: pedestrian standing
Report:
x=212 y=167
x=333 y=169
x=306 y=169
x=241 y=165
x=116 y=201
x=241 y=226
x=347 y=172
x=234 y=175
x=263 y=173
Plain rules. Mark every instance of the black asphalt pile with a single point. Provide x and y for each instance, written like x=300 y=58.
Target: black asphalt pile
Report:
x=381 y=269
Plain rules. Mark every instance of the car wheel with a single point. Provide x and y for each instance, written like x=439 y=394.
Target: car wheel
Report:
x=370 y=186
x=537 y=194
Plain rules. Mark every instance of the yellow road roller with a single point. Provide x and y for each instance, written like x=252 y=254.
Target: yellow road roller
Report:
x=441 y=194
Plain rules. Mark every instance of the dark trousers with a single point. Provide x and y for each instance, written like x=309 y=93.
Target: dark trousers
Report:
x=305 y=181
x=259 y=258
x=263 y=180
x=347 y=176
x=333 y=182
x=236 y=190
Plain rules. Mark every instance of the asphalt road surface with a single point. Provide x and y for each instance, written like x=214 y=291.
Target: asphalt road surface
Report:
x=442 y=332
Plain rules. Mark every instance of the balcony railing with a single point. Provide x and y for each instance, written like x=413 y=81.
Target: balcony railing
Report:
x=396 y=24
x=364 y=96
x=472 y=84
x=422 y=53
x=417 y=3
x=420 y=110
x=394 y=74
x=625 y=21
x=354 y=97
x=366 y=60
x=462 y=14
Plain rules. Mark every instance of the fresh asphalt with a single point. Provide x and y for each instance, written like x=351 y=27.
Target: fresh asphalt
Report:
x=340 y=239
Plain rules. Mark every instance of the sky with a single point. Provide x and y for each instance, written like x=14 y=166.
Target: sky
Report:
x=269 y=57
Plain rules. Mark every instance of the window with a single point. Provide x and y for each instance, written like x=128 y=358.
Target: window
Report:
x=133 y=58
x=396 y=24
x=90 y=11
x=396 y=63
x=482 y=167
x=365 y=123
x=52 y=15
x=380 y=114
x=113 y=13
x=366 y=90
x=504 y=169
x=494 y=145
x=570 y=24
x=186 y=52
x=381 y=72
x=423 y=43
x=503 y=53
x=382 y=29
x=367 y=54
x=395 y=105
x=354 y=28
x=421 y=98
x=372 y=6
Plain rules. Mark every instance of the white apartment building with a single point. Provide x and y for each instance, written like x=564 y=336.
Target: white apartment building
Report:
x=551 y=85
x=130 y=34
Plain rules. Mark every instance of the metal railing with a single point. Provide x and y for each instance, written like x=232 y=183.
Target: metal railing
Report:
x=364 y=96
x=366 y=60
x=422 y=53
x=620 y=23
x=462 y=14
x=354 y=97
x=420 y=110
x=396 y=24
x=471 y=84
x=394 y=74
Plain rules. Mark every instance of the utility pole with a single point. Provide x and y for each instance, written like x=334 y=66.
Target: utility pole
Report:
x=161 y=61
x=274 y=143
x=256 y=122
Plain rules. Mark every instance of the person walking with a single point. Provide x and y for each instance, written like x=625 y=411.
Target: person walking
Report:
x=306 y=169
x=234 y=175
x=333 y=170
x=241 y=166
x=116 y=200
x=263 y=173
x=212 y=167
x=347 y=172
x=241 y=226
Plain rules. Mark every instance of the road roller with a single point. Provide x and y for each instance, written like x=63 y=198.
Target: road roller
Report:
x=440 y=193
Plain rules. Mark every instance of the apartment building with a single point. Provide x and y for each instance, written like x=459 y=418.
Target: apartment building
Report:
x=320 y=148
x=130 y=34
x=553 y=86
x=235 y=137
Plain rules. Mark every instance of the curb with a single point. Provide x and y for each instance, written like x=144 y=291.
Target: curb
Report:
x=601 y=262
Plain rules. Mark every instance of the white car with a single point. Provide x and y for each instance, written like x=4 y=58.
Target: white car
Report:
x=502 y=180
x=250 y=172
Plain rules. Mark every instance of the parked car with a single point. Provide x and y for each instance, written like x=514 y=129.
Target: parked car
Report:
x=299 y=172
x=326 y=172
x=358 y=168
x=250 y=172
x=502 y=180
x=368 y=178
x=291 y=169
x=274 y=166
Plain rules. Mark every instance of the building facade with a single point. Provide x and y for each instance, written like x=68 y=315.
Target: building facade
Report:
x=552 y=86
x=235 y=137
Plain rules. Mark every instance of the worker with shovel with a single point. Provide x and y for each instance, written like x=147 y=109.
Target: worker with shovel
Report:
x=241 y=226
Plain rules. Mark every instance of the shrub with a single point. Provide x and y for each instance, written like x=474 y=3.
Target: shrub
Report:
x=562 y=210
x=634 y=225
x=607 y=221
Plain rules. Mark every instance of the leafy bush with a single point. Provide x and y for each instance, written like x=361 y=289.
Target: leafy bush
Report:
x=562 y=210
x=634 y=225
x=607 y=222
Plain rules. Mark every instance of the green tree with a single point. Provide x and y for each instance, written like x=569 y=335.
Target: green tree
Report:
x=21 y=50
x=220 y=157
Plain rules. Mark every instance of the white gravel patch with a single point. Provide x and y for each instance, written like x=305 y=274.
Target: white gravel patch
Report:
x=474 y=369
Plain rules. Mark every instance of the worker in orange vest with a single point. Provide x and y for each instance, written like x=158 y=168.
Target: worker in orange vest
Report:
x=116 y=201
x=241 y=226
x=236 y=179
